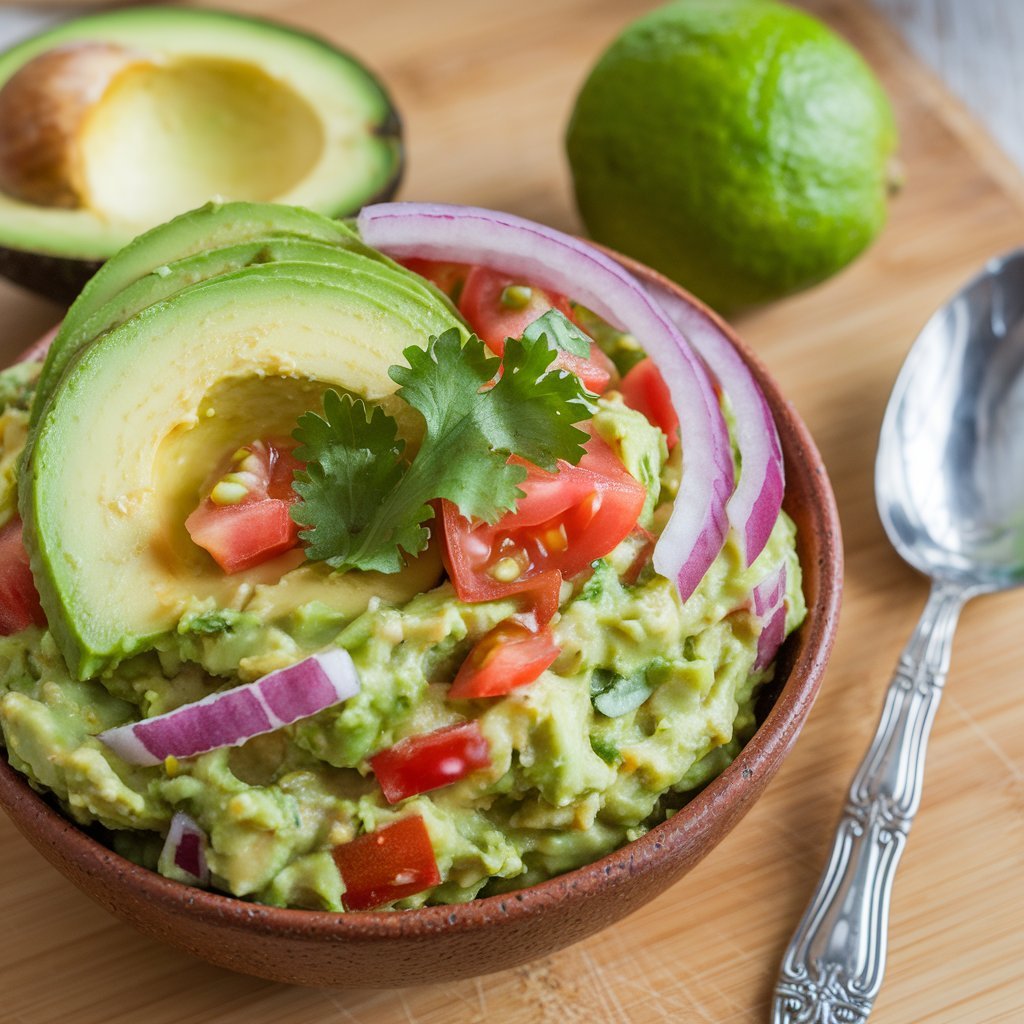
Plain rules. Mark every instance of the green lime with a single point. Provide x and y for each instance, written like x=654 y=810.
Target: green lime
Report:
x=739 y=146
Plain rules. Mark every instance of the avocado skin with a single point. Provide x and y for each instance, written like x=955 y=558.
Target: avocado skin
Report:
x=58 y=278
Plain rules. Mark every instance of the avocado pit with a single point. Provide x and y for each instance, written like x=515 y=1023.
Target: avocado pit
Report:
x=43 y=107
x=139 y=138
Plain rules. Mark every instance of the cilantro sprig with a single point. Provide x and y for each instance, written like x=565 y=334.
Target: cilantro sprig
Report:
x=364 y=505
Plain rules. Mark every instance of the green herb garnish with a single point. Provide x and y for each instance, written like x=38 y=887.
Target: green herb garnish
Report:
x=364 y=506
x=561 y=332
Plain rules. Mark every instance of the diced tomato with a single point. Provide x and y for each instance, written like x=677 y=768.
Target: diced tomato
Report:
x=644 y=389
x=595 y=372
x=510 y=655
x=389 y=864
x=283 y=467
x=566 y=521
x=240 y=534
x=19 y=601
x=499 y=306
x=449 y=277
x=419 y=764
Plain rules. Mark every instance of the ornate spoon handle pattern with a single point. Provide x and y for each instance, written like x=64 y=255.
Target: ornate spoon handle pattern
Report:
x=833 y=967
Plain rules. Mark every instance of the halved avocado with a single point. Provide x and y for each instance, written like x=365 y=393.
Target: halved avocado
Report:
x=184 y=105
x=142 y=415
x=90 y=316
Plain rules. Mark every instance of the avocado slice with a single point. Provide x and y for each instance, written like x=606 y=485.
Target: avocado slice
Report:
x=85 y=321
x=162 y=397
x=211 y=226
x=209 y=104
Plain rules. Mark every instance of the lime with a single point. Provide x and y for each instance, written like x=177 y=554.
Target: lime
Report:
x=739 y=146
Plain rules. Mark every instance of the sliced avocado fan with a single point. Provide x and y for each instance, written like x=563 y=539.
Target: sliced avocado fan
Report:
x=142 y=412
x=167 y=259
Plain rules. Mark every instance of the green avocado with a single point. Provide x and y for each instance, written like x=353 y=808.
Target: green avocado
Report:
x=255 y=234
x=207 y=105
x=183 y=381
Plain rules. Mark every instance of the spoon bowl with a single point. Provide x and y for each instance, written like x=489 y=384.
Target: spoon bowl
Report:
x=949 y=477
x=949 y=482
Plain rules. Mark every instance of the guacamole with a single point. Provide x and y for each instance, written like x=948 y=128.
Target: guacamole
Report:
x=567 y=783
x=332 y=582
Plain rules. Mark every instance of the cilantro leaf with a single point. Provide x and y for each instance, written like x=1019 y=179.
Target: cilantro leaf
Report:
x=471 y=432
x=364 y=506
x=531 y=413
x=351 y=459
x=561 y=332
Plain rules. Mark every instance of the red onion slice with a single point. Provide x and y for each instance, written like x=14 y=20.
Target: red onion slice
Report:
x=697 y=528
x=230 y=718
x=755 y=504
x=770 y=605
x=185 y=848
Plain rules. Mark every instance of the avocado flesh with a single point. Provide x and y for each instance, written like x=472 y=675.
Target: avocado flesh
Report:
x=170 y=278
x=183 y=382
x=351 y=139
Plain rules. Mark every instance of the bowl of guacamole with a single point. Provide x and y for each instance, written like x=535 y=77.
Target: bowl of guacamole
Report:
x=377 y=610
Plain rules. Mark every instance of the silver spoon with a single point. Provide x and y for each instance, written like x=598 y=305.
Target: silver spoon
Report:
x=949 y=482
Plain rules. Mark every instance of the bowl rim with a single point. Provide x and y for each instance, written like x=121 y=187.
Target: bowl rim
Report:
x=761 y=754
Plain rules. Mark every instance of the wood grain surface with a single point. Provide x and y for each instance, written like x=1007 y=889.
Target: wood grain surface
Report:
x=975 y=48
x=486 y=89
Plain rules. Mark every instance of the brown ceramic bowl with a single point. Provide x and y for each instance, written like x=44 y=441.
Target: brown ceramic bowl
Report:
x=440 y=943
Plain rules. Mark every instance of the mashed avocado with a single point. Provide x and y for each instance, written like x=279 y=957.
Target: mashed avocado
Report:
x=648 y=700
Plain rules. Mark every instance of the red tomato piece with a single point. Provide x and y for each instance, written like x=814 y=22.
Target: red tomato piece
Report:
x=258 y=527
x=283 y=467
x=499 y=306
x=510 y=655
x=19 y=600
x=386 y=865
x=241 y=536
x=566 y=521
x=419 y=764
x=539 y=595
x=644 y=389
x=602 y=361
x=595 y=376
x=449 y=277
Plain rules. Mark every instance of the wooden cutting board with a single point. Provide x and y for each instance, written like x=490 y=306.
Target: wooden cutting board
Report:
x=486 y=90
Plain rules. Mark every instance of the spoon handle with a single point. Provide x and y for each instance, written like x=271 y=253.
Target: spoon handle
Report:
x=833 y=966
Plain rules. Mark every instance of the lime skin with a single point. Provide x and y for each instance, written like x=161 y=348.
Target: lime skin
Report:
x=738 y=146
